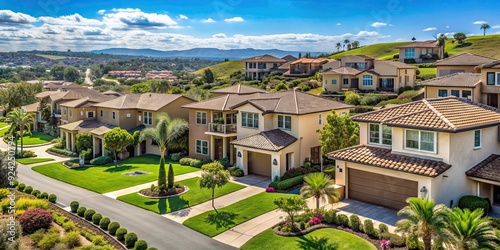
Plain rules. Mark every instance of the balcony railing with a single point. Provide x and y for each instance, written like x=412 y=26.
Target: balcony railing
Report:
x=222 y=128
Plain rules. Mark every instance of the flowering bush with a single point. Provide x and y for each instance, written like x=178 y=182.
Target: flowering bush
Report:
x=314 y=221
x=385 y=244
x=319 y=216
x=270 y=189
x=34 y=219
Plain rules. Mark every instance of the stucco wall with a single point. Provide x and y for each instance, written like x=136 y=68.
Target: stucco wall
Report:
x=444 y=70
x=374 y=82
x=77 y=114
x=385 y=69
x=327 y=83
x=244 y=131
x=432 y=92
x=197 y=132
x=443 y=145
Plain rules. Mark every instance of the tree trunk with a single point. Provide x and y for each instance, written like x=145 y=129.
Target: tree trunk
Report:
x=317 y=203
x=116 y=160
x=21 y=132
x=427 y=242
x=213 y=195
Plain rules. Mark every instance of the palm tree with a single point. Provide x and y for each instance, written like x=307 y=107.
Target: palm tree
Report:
x=319 y=186
x=21 y=121
x=414 y=39
x=346 y=42
x=338 y=46
x=166 y=134
x=441 y=40
x=484 y=27
x=471 y=230
x=355 y=44
x=424 y=219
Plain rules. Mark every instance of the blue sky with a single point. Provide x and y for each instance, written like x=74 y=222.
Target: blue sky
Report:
x=263 y=24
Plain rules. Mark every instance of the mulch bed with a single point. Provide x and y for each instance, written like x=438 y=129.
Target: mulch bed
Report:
x=162 y=193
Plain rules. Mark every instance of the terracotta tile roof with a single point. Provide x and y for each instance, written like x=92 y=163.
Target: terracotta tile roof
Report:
x=371 y=71
x=85 y=126
x=79 y=93
x=80 y=103
x=488 y=169
x=398 y=64
x=146 y=101
x=45 y=94
x=449 y=114
x=491 y=65
x=239 y=89
x=468 y=80
x=30 y=108
x=425 y=44
x=264 y=58
x=465 y=59
x=312 y=60
x=384 y=158
x=271 y=140
x=343 y=71
x=111 y=92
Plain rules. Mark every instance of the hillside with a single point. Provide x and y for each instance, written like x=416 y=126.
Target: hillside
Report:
x=223 y=70
x=375 y=50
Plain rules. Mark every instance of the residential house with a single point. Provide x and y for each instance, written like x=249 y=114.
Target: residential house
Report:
x=258 y=67
x=461 y=63
x=32 y=109
x=239 y=89
x=490 y=79
x=60 y=86
x=161 y=74
x=437 y=148
x=261 y=133
x=134 y=74
x=305 y=67
x=81 y=109
x=366 y=73
x=420 y=51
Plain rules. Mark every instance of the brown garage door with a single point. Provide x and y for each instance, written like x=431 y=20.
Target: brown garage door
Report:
x=259 y=164
x=380 y=189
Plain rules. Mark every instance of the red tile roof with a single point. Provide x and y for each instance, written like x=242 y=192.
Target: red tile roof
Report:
x=271 y=140
x=488 y=169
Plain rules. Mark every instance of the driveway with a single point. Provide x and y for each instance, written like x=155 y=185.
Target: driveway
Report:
x=368 y=211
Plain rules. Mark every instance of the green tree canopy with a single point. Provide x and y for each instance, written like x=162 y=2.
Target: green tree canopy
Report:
x=484 y=27
x=339 y=132
x=208 y=76
x=292 y=206
x=71 y=74
x=57 y=72
x=470 y=230
x=213 y=176
x=142 y=87
x=83 y=141
x=116 y=140
x=460 y=37
x=19 y=94
x=20 y=122
x=320 y=186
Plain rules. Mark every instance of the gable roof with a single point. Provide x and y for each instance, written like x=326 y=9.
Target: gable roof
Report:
x=86 y=126
x=289 y=58
x=30 y=108
x=468 y=80
x=271 y=140
x=490 y=65
x=78 y=93
x=424 y=44
x=80 y=103
x=265 y=58
x=488 y=169
x=343 y=71
x=397 y=64
x=312 y=60
x=146 y=101
x=449 y=114
x=465 y=59
x=238 y=89
x=384 y=158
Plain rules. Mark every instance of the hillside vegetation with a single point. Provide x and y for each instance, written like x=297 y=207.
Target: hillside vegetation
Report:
x=482 y=45
x=375 y=50
x=223 y=70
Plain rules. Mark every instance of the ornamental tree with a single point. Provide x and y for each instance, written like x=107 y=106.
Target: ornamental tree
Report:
x=292 y=206
x=339 y=132
x=116 y=140
x=213 y=176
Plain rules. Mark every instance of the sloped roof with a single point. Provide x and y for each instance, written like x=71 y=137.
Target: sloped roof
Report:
x=490 y=65
x=271 y=140
x=264 y=58
x=468 y=80
x=79 y=93
x=111 y=92
x=238 y=89
x=465 y=59
x=488 y=169
x=85 y=126
x=289 y=58
x=312 y=60
x=79 y=103
x=424 y=44
x=449 y=114
x=30 y=108
x=398 y=64
x=343 y=71
x=146 y=101
x=384 y=158
x=45 y=94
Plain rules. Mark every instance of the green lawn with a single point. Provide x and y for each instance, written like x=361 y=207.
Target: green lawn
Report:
x=103 y=179
x=383 y=51
x=314 y=240
x=316 y=91
x=27 y=161
x=194 y=196
x=211 y=223
x=3 y=124
x=427 y=71
x=223 y=70
x=3 y=131
x=52 y=57
x=36 y=138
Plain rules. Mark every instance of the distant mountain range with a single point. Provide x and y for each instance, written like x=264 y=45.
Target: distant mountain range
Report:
x=206 y=53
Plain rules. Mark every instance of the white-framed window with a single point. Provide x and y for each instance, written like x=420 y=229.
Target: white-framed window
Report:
x=129 y=115
x=380 y=134
x=65 y=110
x=101 y=113
x=420 y=140
x=334 y=81
x=139 y=117
x=285 y=122
x=202 y=147
x=455 y=92
x=346 y=81
x=442 y=92
x=320 y=119
x=148 y=118
x=493 y=78
x=90 y=114
x=467 y=94
x=410 y=53
x=231 y=118
x=367 y=80
x=201 y=118
x=478 y=140
x=249 y=120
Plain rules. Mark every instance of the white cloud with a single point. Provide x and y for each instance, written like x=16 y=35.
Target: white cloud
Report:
x=234 y=19
x=181 y=16
x=101 y=12
x=447 y=27
x=447 y=34
x=338 y=24
x=209 y=20
x=430 y=29
x=479 y=22
x=378 y=24
x=401 y=40
x=75 y=19
x=495 y=27
x=219 y=35
x=124 y=19
x=126 y=10
x=15 y=18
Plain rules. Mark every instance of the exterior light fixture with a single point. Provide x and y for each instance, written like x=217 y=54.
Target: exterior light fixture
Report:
x=239 y=154
x=275 y=162
x=423 y=192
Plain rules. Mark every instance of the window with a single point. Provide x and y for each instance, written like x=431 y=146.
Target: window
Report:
x=477 y=139
x=334 y=81
x=139 y=117
x=420 y=140
x=101 y=113
x=148 y=118
x=90 y=114
x=442 y=92
x=70 y=112
x=216 y=117
x=320 y=119
x=249 y=120
x=490 y=78
x=386 y=83
x=455 y=92
x=346 y=81
x=375 y=134
x=466 y=94
x=326 y=81
x=129 y=115
x=367 y=80
x=202 y=147
x=65 y=110
x=410 y=53
x=230 y=118
x=201 y=118
x=285 y=122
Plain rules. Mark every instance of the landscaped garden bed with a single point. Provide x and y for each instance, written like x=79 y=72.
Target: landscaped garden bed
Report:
x=155 y=192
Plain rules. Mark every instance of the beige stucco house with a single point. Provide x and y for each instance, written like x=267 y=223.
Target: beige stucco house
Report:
x=461 y=63
x=305 y=67
x=420 y=51
x=422 y=148
x=258 y=67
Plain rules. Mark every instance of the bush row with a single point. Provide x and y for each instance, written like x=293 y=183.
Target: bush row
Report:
x=62 y=152
x=193 y=162
x=288 y=183
x=235 y=171
x=29 y=190
x=474 y=202
x=101 y=160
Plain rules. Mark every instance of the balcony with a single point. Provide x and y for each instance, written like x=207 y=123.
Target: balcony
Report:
x=57 y=112
x=225 y=129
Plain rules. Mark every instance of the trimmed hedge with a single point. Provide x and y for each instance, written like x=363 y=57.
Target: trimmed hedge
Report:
x=36 y=193
x=101 y=160
x=88 y=214
x=52 y=198
x=62 y=152
x=104 y=223
x=81 y=211
x=288 y=183
x=96 y=219
x=21 y=187
x=113 y=227
x=354 y=222
x=44 y=195
x=141 y=245
x=28 y=189
x=474 y=202
x=235 y=171
x=193 y=162
x=130 y=239
x=120 y=234
x=369 y=229
x=34 y=219
x=74 y=206
x=175 y=157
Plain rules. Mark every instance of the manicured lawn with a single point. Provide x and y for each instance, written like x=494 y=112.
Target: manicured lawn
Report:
x=3 y=131
x=314 y=240
x=427 y=71
x=316 y=91
x=211 y=223
x=36 y=138
x=194 y=196
x=3 y=124
x=103 y=179
x=27 y=161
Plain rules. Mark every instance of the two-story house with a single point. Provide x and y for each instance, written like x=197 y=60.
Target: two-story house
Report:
x=420 y=51
x=261 y=133
x=305 y=67
x=366 y=73
x=420 y=149
x=258 y=67
x=461 y=63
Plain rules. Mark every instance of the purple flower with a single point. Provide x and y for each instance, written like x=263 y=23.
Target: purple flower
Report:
x=270 y=189
x=385 y=244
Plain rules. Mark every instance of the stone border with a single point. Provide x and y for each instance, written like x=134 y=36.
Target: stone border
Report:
x=186 y=188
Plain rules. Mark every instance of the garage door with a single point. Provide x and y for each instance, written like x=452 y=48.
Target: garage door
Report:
x=380 y=189
x=259 y=164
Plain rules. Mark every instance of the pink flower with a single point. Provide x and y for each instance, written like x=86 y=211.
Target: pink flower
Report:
x=385 y=244
x=270 y=189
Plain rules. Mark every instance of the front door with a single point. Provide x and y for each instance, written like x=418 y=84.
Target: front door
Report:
x=492 y=100
x=289 y=161
x=316 y=155
x=218 y=149
x=354 y=83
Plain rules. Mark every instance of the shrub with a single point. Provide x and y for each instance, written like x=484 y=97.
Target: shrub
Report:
x=101 y=160
x=343 y=220
x=104 y=223
x=28 y=189
x=49 y=241
x=224 y=161
x=44 y=195
x=369 y=229
x=52 y=198
x=130 y=239
x=361 y=109
x=372 y=99
x=141 y=245
x=120 y=234
x=393 y=101
x=408 y=94
x=26 y=203
x=302 y=225
x=330 y=171
x=354 y=222
x=185 y=161
x=68 y=226
x=99 y=241
x=88 y=214
x=152 y=248
x=473 y=202
x=235 y=171
x=352 y=98
x=412 y=242
x=81 y=211
x=3 y=193
x=288 y=183
x=113 y=227
x=36 y=193
x=175 y=157
x=34 y=219
x=21 y=187
x=74 y=206
x=72 y=239
x=62 y=152
x=409 y=61
x=396 y=240
x=329 y=216
x=383 y=228
x=28 y=154
x=96 y=218
x=395 y=56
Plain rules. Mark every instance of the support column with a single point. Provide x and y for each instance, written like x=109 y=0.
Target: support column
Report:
x=478 y=192
x=73 y=140
x=231 y=154
x=67 y=140
x=212 y=147
x=242 y=160
x=94 y=152
x=224 y=147
x=138 y=149
x=104 y=151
